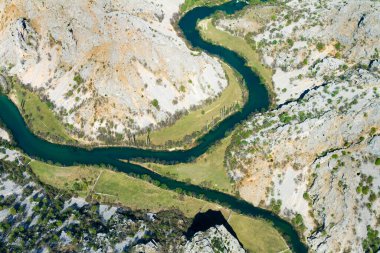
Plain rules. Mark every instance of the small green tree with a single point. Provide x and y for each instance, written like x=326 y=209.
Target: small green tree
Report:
x=156 y=104
x=320 y=46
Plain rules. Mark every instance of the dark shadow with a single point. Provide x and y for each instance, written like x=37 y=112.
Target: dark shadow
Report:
x=209 y=219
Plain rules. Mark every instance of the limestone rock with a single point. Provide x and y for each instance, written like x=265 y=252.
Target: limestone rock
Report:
x=215 y=239
x=106 y=61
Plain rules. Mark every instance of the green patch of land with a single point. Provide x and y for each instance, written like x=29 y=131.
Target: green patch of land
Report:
x=77 y=179
x=39 y=115
x=240 y=45
x=107 y=186
x=190 y=4
x=256 y=235
x=197 y=120
x=208 y=170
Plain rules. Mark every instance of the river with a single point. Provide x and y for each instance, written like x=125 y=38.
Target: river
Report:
x=258 y=100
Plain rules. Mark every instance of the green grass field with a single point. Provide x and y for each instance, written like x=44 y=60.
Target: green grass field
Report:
x=39 y=117
x=198 y=119
x=239 y=45
x=257 y=235
x=138 y=194
x=118 y=188
x=76 y=179
x=114 y=187
x=208 y=170
x=189 y=4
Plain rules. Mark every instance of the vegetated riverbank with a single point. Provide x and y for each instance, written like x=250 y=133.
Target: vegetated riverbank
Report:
x=70 y=155
x=243 y=46
x=182 y=134
x=111 y=187
x=207 y=170
x=38 y=122
x=36 y=216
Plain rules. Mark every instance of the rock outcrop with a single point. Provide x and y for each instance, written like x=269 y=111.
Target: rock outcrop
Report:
x=315 y=160
x=213 y=240
x=307 y=42
x=116 y=65
x=4 y=135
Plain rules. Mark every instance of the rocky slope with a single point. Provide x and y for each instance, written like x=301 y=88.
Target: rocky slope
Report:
x=38 y=218
x=116 y=65
x=307 y=42
x=316 y=160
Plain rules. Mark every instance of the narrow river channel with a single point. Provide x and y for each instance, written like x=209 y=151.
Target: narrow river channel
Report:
x=258 y=100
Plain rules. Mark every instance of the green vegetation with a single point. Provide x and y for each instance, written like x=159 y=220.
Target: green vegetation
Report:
x=38 y=114
x=76 y=179
x=275 y=205
x=113 y=187
x=201 y=120
x=286 y=118
x=297 y=221
x=29 y=229
x=156 y=104
x=208 y=170
x=118 y=188
x=377 y=162
x=372 y=242
x=320 y=46
x=290 y=42
x=190 y=4
x=78 y=79
x=338 y=46
x=242 y=46
x=256 y=235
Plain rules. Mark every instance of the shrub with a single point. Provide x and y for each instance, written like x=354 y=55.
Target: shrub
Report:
x=156 y=104
x=377 y=162
x=320 y=46
x=372 y=242
x=290 y=42
x=78 y=79
x=285 y=118
x=338 y=46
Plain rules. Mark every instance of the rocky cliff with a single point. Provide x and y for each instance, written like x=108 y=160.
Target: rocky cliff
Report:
x=315 y=160
x=116 y=65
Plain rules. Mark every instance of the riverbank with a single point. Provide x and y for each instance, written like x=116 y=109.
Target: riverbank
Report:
x=110 y=187
x=257 y=100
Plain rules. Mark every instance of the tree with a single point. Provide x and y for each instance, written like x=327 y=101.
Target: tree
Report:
x=156 y=104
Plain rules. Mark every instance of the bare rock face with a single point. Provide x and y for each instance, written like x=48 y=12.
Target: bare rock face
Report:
x=106 y=61
x=349 y=181
x=4 y=136
x=307 y=42
x=4 y=86
x=314 y=160
x=215 y=239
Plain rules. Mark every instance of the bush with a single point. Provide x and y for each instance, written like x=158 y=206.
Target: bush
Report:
x=338 y=46
x=320 y=46
x=377 y=162
x=372 y=242
x=156 y=104
x=78 y=79
x=290 y=42
x=285 y=118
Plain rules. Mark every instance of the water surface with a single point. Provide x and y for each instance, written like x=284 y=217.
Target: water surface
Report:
x=258 y=99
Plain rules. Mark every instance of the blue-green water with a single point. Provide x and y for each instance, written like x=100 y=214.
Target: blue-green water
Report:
x=258 y=100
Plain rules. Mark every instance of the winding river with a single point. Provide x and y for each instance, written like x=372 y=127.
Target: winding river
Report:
x=258 y=99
